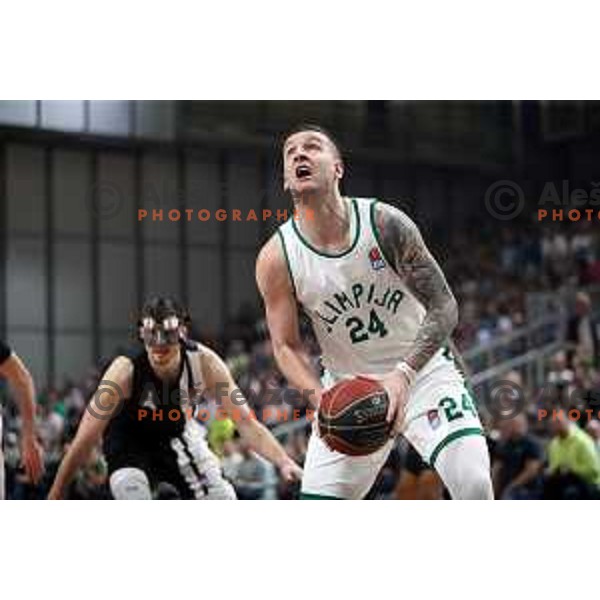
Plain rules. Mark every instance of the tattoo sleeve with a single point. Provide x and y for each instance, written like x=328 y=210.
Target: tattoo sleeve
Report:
x=403 y=245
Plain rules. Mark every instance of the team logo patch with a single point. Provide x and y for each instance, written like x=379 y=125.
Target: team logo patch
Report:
x=376 y=259
x=434 y=418
x=148 y=401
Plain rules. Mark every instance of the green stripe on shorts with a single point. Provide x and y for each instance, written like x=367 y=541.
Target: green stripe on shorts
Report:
x=309 y=496
x=455 y=435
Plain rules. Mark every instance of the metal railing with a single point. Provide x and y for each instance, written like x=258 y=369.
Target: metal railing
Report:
x=544 y=332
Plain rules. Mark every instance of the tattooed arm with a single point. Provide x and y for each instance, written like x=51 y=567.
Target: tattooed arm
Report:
x=403 y=245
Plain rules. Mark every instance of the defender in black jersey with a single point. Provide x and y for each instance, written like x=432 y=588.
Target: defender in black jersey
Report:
x=16 y=373
x=144 y=409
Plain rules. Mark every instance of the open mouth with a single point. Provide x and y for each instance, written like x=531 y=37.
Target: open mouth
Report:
x=160 y=352
x=303 y=172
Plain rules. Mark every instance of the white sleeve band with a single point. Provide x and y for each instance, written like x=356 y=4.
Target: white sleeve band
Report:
x=408 y=371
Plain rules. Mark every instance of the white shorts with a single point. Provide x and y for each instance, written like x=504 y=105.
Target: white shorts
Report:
x=440 y=409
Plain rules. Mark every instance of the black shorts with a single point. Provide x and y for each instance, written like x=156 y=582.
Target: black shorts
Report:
x=156 y=459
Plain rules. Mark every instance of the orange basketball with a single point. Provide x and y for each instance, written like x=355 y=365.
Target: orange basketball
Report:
x=351 y=416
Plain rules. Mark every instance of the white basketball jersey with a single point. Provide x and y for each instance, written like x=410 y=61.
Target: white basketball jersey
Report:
x=363 y=315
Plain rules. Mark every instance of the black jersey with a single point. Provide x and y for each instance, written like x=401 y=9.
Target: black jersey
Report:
x=157 y=410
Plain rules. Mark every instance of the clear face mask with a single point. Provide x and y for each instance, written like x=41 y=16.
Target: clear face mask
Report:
x=165 y=333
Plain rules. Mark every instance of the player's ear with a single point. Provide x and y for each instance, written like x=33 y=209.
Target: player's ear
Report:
x=339 y=169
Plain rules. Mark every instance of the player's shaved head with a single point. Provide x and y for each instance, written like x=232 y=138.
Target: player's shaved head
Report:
x=310 y=127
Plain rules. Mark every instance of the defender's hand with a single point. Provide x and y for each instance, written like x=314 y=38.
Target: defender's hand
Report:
x=55 y=494
x=290 y=471
x=32 y=458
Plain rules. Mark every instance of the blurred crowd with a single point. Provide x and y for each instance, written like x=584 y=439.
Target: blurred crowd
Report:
x=491 y=273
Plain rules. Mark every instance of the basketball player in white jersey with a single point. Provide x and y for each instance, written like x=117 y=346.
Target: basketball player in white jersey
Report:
x=380 y=306
x=14 y=371
x=145 y=416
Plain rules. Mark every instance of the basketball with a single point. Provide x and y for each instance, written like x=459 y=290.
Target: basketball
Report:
x=351 y=417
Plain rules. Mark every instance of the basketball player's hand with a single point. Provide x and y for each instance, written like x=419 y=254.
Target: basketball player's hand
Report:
x=55 y=494
x=290 y=471
x=32 y=457
x=397 y=387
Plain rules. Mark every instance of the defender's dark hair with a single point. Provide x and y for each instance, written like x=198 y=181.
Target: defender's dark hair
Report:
x=161 y=307
x=318 y=129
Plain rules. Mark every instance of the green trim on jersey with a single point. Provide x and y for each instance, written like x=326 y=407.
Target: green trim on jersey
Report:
x=325 y=254
x=309 y=496
x=455 y=435
x=287 y=262
x=377 y=237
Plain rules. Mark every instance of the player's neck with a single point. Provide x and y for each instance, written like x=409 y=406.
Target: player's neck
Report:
x=170 y=370
x=325 y=221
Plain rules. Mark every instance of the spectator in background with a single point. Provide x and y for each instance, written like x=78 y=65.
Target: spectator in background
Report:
x=582 y=246
x=555 y=256
x=582 y=333
x=593 y=430
x=560 y=379
x=90 y=482
x=220 y=431
x=231 y=460
x=589 y=273
x=574 y=464
x=517 y=462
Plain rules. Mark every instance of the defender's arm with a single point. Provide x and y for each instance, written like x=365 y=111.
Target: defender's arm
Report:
x=220 y=383
x=19 y=378
x=104 y=405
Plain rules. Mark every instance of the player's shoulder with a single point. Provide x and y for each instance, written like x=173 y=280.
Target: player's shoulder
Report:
x=389 y=213
x=120 y=369
x=193 y=346
x=270 y=251
x=388 y=207
x=201 y=350
x=271 y=263
x=211 y=362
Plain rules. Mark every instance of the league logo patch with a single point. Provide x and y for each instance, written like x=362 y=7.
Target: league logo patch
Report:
x=434 y=418
x=376 y=259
